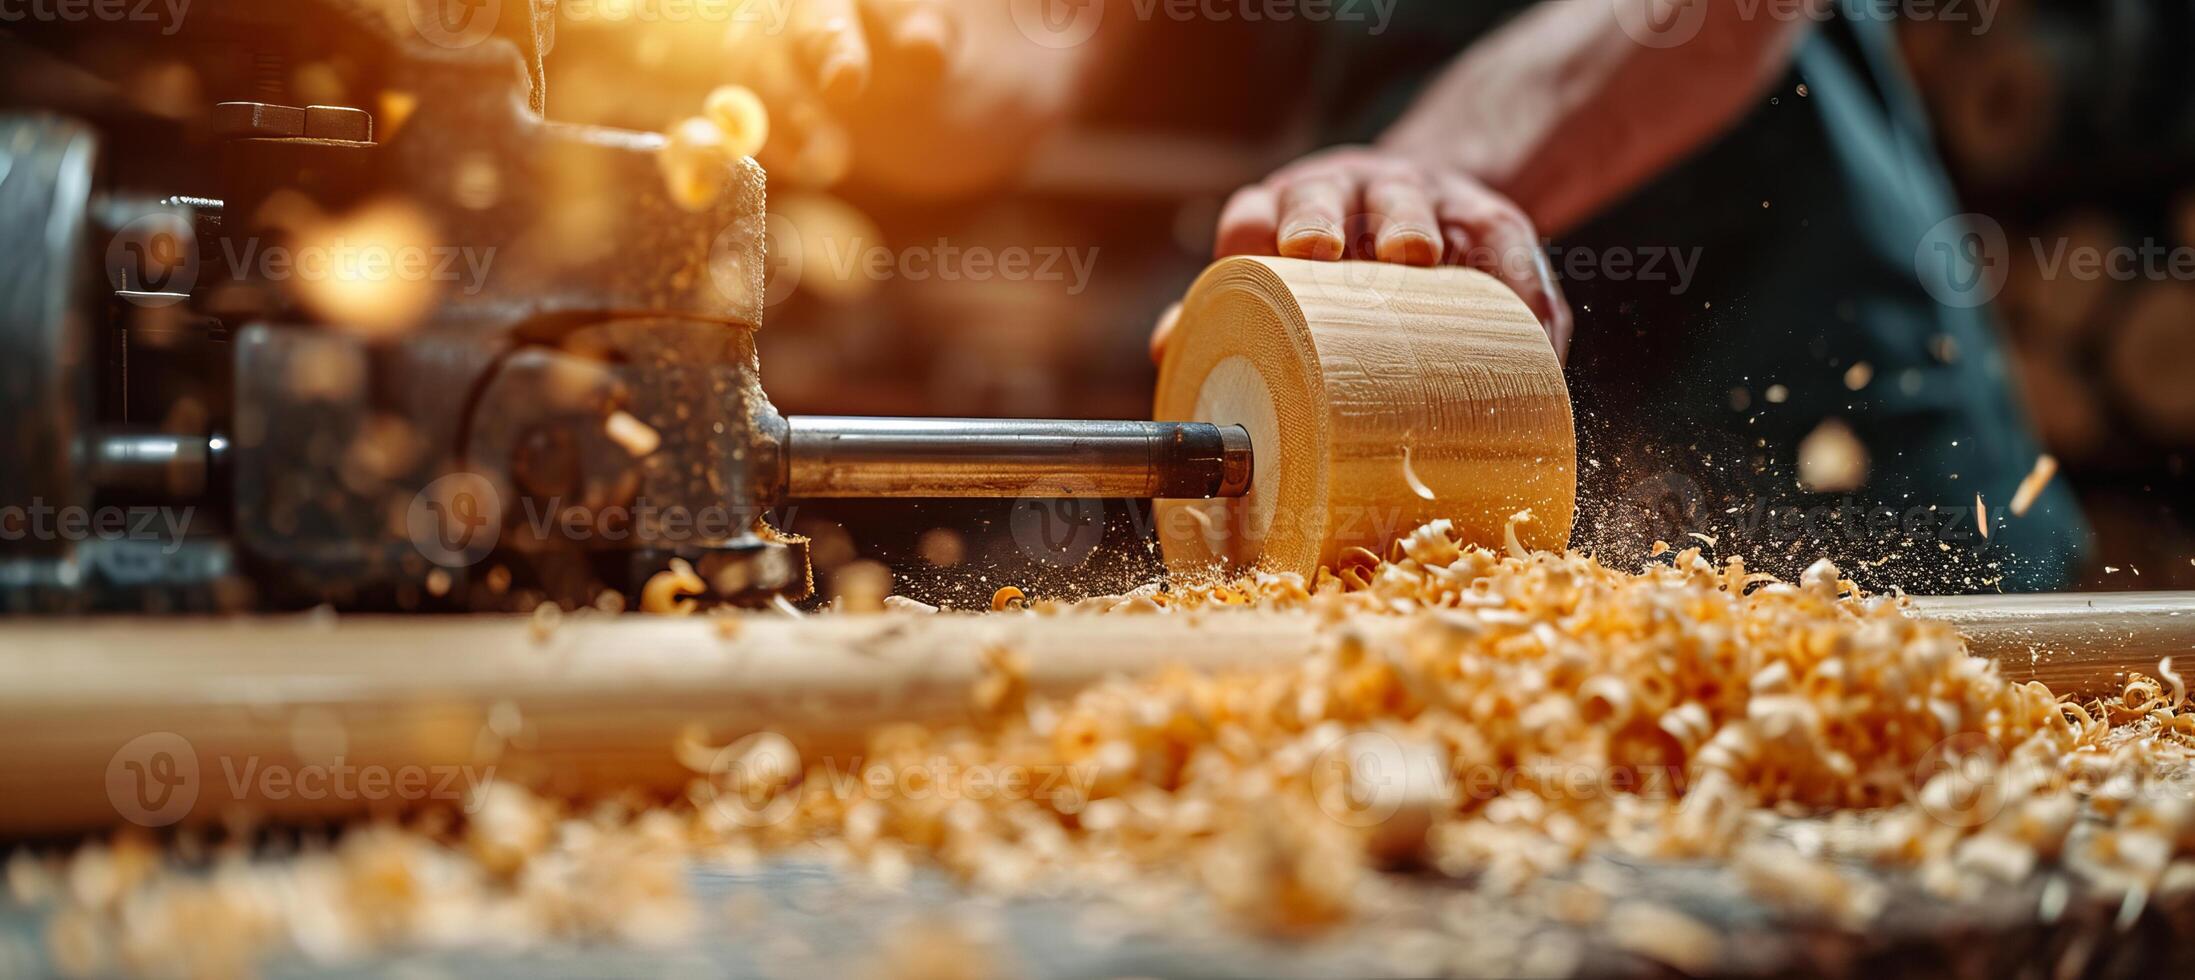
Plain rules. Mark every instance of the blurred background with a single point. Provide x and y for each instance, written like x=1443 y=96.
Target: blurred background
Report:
x=2067 y=122
x=2074 y=122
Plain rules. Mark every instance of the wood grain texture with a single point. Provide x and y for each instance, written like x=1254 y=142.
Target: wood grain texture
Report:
x=600 y=702
x=2081 y=645
x=1340 y=368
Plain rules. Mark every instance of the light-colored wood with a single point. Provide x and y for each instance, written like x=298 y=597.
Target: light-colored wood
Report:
x=597 y=704
x=600 y=702
x=2080 y=645
x=1342 y=371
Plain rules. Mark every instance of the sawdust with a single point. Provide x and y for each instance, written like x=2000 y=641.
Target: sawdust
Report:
x=1832 y=459
x=670 y=592
x=1538 y=709
x=2031 y=487
x=637 y=437
x=740 y=118
x=1410 y=476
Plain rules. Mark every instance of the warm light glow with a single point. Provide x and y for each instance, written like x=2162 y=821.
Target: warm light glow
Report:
x=376 y=271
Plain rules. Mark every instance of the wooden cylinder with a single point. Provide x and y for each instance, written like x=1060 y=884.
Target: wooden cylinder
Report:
x=1378 y=397
x=174 y=722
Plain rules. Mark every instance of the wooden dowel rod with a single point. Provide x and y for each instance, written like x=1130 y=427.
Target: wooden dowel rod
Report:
x=599 y=702
x=2080 y=644
x=108 y=720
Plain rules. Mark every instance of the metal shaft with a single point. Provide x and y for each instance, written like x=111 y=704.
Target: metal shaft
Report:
x=151 y=464
x=897 y=457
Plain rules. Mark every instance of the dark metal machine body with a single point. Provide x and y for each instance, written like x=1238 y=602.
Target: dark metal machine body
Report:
x=186 y=429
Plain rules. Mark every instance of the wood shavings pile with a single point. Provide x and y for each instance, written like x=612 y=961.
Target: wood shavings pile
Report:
x=1538 y=709
x=518 y=873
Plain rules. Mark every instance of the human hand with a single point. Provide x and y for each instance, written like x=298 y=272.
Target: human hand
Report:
x=926 y=97
x=825 y=57
x=843 y=44
x=1370 y=204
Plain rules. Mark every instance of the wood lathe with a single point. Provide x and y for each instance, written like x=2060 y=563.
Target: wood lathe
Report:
x=591 y=407
x=1305 y=412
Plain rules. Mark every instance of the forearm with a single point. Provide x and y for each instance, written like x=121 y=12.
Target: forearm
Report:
x=972 y=129
x=1564 y=111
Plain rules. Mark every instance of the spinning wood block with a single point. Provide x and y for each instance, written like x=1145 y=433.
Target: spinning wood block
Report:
x=1378 y=397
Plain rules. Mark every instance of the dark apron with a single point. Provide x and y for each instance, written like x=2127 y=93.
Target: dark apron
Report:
x=1813 y=224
